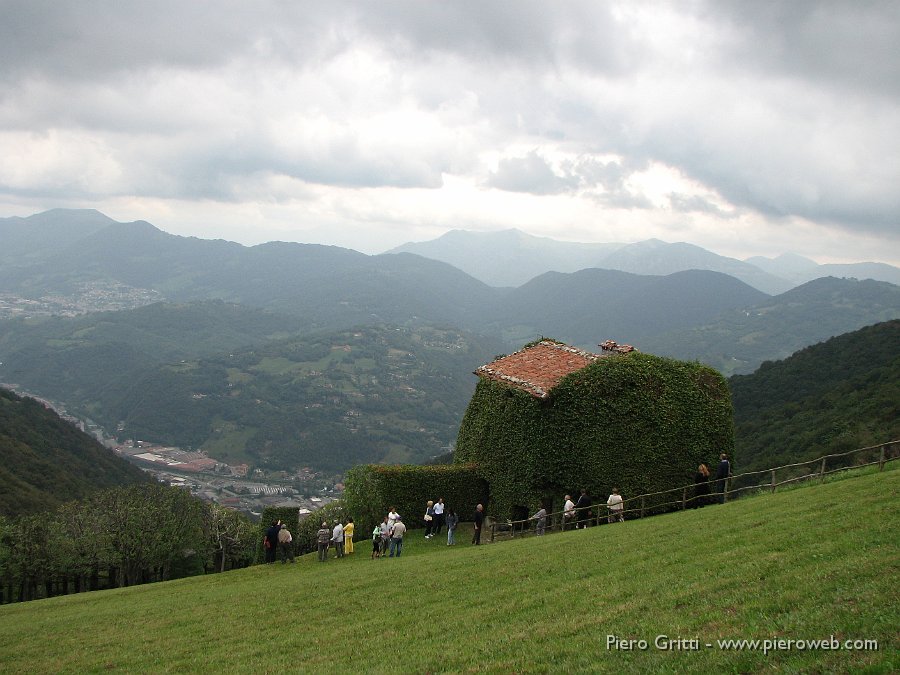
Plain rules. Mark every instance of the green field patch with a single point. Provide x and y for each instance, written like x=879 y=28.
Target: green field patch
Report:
x=238 y=376
x=228 y=442
x=277 y=365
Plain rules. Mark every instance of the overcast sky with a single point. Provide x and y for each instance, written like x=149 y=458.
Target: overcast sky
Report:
x=748 y=128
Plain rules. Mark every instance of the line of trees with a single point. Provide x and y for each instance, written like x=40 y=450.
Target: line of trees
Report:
x=120 y=537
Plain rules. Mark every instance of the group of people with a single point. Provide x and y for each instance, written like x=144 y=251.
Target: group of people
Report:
x=702 y=487
x=278 y=539
x=387 y=537
x=340 y=537
x=577 y=515
x=436 y=515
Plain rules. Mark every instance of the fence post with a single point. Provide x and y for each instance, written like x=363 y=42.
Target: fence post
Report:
x=642 y=506
x=725 y=491
x=881 y=459
x=822 y=469
x=492 y=531
x=773 y=480
x=683 y=498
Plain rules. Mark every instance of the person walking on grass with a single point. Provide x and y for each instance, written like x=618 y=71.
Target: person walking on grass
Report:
x=284 y=544
x=452 y=522
x=479 y=525
x=323 y=538
x=337 y=538
x=397 y=532
x=615 y=506
x=348 y=536
x=429 y=518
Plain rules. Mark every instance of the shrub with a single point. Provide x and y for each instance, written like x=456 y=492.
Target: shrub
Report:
x=371 y=489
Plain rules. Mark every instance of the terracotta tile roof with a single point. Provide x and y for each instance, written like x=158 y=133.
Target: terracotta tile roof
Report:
x=539 y=368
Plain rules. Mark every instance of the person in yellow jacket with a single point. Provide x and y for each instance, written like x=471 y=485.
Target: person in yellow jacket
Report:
x=348 y=536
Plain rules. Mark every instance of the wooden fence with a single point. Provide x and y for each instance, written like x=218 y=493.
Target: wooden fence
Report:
x=685 y=497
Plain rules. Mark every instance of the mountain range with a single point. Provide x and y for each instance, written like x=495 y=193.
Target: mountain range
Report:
x=294 y=354
x=512 y=257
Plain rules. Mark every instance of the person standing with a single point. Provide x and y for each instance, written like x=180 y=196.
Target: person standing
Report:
x=479 y=525
x=582 y=508
x=429 y=518
x=337 y=538
x=701 y=486
x=348 y=536
x=540 y=524
x=323 y=538
x=392 y=516
x=284 y=544
x=270 y=541
x=376 y=541
x=397 y=532
x=568 y=513
x=615 y=506
x=723 y=471
x=385 y=528
x=452 y=522
x=438 y=515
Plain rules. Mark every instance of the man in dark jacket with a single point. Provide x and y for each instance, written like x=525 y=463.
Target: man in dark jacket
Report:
x=583 y=509
x=479 y=524
x=270 y=542
x=722 y=473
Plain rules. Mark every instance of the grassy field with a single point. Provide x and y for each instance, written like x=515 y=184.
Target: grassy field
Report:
x=805 y=564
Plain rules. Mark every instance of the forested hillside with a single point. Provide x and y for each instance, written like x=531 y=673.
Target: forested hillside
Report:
x=739 y=340
x=328 y=400
x=46 y=461
x=834 y=396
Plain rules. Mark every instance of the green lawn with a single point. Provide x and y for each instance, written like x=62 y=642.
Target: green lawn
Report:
x=806 y=563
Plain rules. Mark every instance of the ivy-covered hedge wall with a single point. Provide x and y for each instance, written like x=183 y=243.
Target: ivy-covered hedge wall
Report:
x=371 y=489
x=636 y=421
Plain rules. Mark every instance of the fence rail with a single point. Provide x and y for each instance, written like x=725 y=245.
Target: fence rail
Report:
x=720 y=491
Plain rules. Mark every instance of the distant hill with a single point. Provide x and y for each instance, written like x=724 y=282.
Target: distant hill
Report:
x=799 y=270
x=739 y=340
x=834 y=396
x=587 y=307
x=45 y=461
x=330 y=287
x=25 y=241
x=511 y=258
x=508 y=257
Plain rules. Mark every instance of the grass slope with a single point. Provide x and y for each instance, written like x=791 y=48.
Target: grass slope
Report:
x=800 y=564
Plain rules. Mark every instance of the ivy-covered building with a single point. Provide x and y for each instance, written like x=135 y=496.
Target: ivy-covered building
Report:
x=551 y=419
